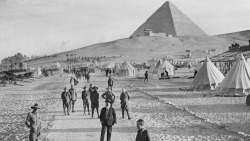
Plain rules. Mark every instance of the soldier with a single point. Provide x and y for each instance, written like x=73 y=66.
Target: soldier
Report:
x=146 y=76
x=85 y=100
x=66 y=100
x=90 y=89
x=88 y=77
x=94 y=97
x=109 y=95
x=124 y=102
x=33 y=122
x=110 y=83
x=107 y=119
x=142 y=134
x=73 y=96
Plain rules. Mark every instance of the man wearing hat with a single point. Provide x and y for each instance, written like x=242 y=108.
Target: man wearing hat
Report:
x=85 y=100
x=107 y=119
x=94 y=97
x=110 y=83
x=90 y=88
x=73 y=97
x=33 y=122
x=109 y=95
x=124 y=102
x=66 y=100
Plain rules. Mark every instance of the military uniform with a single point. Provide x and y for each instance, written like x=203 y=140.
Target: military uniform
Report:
x=124 y=103
x=109 y=96
x=73 y=96
x=85 y=100
x=142 y=135
x=66 y=101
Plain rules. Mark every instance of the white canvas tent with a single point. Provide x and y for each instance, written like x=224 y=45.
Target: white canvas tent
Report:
x=162 y=67
x=108 y=66
x=37 y=73
x=117 y=67
x=58 y=65
x=157 y=66
x=198 y=66
x=126 y=70
x=208 y=76
x=237 y=81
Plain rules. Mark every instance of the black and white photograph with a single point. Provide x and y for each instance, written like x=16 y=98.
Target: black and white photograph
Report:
x=125 y=70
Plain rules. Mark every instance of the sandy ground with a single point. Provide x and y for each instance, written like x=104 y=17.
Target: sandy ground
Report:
x=158 y=102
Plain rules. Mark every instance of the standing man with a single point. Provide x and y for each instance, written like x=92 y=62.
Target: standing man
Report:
x=108 y=119
x=66 y=100
x=88 y=77
x=124 y=102
x=146 y=76
x=108 y=95
x=94 y=97
x=73 y=96
x=90 y=89
x=142 y=134
x=85 y=100
x=33 y=122
x=110 y=83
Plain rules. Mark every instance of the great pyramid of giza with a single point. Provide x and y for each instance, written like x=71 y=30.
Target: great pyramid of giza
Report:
x=168 y=19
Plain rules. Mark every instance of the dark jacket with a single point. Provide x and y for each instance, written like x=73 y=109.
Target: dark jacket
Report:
x=110 y=119
x=109 y=96
x=124 y=98
x=85 y=96
x=65 y=96
x=94 y=98
x=110 y=82
x=142 y=135
x=146 y=75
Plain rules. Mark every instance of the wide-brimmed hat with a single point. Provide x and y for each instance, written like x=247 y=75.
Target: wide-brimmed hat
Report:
x=84 y=87
x=95 y=87
x=35 y=106
x=90 y=84
x=108 y=88
x=64 y=88
x=107 y=100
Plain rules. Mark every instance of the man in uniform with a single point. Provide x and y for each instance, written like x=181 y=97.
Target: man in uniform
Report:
x=85 y=100
x=109 y=95
x=142 y=134
x=107 y=119
x=73 y=96
x=90 y=88
x=94 y=97
x=146 y=76
x=66 y=100
x=124 y=102
x=33 y=122
x=110 y=83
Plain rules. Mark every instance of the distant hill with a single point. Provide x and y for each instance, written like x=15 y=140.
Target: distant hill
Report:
x=146 y=48
x=241 y=35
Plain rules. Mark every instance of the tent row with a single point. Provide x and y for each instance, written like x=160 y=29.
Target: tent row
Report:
x=236 y=82
x=126 y=69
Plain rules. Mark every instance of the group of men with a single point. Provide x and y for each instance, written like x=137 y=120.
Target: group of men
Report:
x=107 y=116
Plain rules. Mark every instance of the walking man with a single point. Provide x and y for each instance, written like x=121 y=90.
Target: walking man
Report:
x=94 y=97
x=110 y=83
x=108 y=119
x=146 y=76
x=85 y=100
x=124 y=102
x=90 y=88
x=33 y=122
x=73 y=96
x=108 y=95
x=66 y=100
x=142 y=134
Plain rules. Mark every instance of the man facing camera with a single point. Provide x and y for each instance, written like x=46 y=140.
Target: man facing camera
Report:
x=108 y=119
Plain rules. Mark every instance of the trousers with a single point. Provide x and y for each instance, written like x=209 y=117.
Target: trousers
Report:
x=109 y=132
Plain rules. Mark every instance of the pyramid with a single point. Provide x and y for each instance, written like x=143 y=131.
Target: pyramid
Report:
x=170 y=20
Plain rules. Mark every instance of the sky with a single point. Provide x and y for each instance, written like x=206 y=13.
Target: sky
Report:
x=39 y=27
